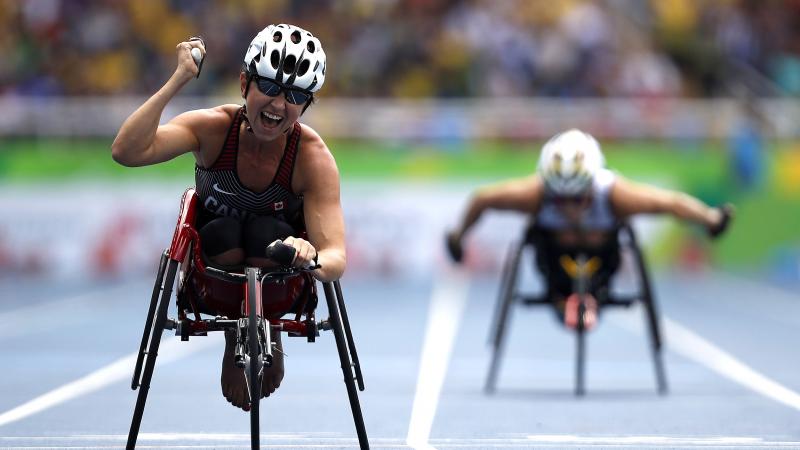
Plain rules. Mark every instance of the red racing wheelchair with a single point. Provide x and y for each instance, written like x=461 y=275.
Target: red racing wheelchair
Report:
x=251 y=304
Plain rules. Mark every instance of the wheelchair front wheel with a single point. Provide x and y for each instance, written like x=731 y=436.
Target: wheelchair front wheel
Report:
x=254 y=369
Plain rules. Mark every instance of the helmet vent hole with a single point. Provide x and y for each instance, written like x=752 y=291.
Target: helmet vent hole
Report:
x=277 y=36
x=303 y=67
x=310 y=47
x=274 y=59
x=295 y=37
x=289 y=64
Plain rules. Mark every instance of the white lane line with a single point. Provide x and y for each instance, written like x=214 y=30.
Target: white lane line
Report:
x=447 y=305
x=122 y=368
x=695 y=347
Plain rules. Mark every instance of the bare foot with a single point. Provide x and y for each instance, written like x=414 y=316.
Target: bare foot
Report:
x=233 y=381
x=234 y=384
x=273 y=375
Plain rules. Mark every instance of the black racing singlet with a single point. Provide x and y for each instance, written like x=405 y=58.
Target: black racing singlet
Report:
x=222 y=193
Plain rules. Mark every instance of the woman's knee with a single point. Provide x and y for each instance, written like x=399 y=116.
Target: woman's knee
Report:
x=222 y=237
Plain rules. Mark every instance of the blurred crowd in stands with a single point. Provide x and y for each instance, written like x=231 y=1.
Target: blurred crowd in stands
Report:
x=413 y=48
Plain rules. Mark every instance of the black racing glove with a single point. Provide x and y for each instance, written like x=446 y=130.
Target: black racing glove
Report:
x=454 y=248
x=727 y=214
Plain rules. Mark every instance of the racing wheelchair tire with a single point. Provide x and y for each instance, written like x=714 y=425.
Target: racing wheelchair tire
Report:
x=254 y=371
x=154 y=327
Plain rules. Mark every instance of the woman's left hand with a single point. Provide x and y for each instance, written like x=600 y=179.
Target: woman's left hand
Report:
x=305 y=253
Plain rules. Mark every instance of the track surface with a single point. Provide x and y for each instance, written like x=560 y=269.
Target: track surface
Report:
x=66 y=381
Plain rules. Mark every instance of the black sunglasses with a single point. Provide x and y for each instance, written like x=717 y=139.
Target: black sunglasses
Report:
x=272 y=88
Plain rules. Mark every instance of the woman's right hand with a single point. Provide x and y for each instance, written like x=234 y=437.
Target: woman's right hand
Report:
x=187 y=67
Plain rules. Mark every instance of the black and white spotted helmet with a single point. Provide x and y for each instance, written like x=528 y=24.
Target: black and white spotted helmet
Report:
x=288 y=55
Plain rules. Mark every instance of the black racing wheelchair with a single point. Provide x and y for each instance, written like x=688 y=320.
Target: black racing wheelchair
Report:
x=583 y=269
x=251 y=304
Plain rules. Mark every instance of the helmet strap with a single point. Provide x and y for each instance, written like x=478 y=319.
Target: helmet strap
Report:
x=247 y=86
x=308 y=103
x=247 y=126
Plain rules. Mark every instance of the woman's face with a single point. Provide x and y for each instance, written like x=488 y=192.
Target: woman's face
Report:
x=269 y=117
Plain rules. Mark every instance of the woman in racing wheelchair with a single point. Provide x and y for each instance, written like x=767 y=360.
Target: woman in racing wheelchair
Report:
x=260 y=174
x=577 y=206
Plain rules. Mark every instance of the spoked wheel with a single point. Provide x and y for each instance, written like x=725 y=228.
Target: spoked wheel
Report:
x=258 y=351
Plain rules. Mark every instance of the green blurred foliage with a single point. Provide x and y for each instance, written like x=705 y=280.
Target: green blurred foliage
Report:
x=767 y=220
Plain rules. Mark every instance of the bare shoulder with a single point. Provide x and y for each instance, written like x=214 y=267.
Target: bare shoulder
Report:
x=527 y=186
x=312 y=144
x=208 y=119
x=314 y=160
x=518 y=194
x=209 y=126
x=624 y=188
x=629 y=197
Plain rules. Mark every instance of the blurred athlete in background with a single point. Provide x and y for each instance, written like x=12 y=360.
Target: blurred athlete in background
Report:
x=577 y=205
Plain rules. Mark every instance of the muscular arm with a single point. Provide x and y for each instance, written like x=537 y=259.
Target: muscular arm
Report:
x=522 y=194
x=322 y=206
x=629 y=198
x=141 y=141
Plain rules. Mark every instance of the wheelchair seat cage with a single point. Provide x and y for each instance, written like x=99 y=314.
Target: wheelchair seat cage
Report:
x=252 y=329
x=581 y=272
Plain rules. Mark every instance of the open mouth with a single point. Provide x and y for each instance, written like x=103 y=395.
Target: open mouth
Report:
x=271 y=120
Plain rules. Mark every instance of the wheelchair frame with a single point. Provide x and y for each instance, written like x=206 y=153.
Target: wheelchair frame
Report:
x=509 y=294
x=253 y=330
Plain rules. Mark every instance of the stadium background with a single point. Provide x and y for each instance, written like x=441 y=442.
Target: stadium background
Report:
x=437 y=96
x=425 y=101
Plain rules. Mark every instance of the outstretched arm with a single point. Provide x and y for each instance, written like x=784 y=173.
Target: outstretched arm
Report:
x=522 y=194
x=141 y=141
x=629 y=198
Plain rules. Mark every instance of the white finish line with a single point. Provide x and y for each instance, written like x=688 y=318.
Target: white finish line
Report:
x=444 y=316
x=328 y=440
